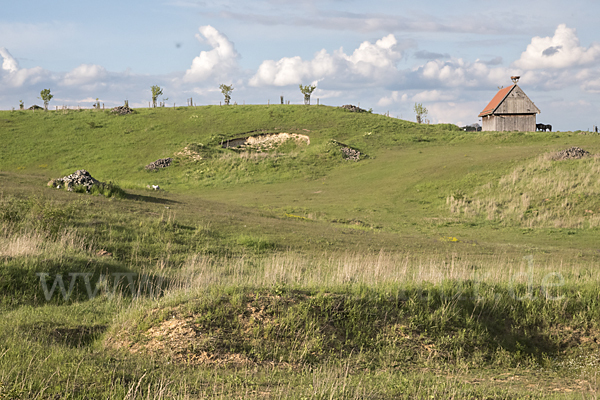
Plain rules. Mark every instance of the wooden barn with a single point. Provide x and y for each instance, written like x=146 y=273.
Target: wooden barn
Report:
x=509 y=110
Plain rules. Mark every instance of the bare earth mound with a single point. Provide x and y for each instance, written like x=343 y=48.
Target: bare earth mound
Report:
x=189 y=153
x=266 y=142
x=176 y=336
x=186 y=338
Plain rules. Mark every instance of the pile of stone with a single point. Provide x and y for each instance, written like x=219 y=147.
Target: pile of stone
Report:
x=79 y=178
x=350 y=154
x=352 y=108
x=122 y=110
x=161 y=163
x=35 y=107
x=573 y=153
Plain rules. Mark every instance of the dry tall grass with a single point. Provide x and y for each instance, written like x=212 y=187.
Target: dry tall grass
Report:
x=542 y=193
x=28 y=243
x=330 y=270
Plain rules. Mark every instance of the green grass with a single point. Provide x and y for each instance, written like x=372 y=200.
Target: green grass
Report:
x=444 y=264
x=543 y=192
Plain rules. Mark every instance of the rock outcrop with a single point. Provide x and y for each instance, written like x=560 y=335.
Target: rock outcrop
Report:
x=352 y=108
x=121 y=110
x=350 y=154
x=158 y=164
x=79 y=178
x=572 y=153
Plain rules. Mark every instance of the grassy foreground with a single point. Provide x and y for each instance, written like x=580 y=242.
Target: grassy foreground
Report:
x=443 y=264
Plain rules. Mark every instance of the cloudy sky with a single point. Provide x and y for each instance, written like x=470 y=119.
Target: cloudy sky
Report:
x=386 y=55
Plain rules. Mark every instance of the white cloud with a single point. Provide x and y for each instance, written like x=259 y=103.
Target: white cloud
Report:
x=9 y=63
x=16 y=77
x=85 y=74
x=433 y=95
x=591 y=83
x=428 y=55
x=29 y=76
x=562 y=104
x=369 y=61
x=459 y=113
x=493 y=61
x=86 y=100
x=294 y=70
x=543 y=65
x=560 y=51
x=443 y=106
x=456 y=72
x=460 y=73
x=326 y=94
x=216 y=63
x=395 y=97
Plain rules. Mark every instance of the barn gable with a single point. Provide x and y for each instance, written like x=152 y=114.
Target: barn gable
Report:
x=510 y=100
x=496 y=101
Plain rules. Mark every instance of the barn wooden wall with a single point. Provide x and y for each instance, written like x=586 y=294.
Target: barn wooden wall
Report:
x=521 y=123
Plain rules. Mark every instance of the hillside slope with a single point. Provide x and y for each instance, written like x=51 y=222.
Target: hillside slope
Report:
x=441 y=264
x=402 y=183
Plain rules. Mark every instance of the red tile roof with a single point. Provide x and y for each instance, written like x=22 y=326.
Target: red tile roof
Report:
x=498 y=98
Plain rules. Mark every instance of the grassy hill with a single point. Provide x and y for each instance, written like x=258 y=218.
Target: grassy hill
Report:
x=442 y=264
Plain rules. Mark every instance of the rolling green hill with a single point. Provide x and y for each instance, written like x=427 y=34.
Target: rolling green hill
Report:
x=441 y=264
x=403 y=183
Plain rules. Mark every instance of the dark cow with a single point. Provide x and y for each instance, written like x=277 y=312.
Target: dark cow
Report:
x=543 y=128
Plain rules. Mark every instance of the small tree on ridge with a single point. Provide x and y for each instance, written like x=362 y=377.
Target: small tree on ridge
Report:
x=46 y=97
x=226 y=90
x=421 y=112
x=156 y=91
x=307 y=91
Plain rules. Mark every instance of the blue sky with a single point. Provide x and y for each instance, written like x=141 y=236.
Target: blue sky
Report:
x=385 y=55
